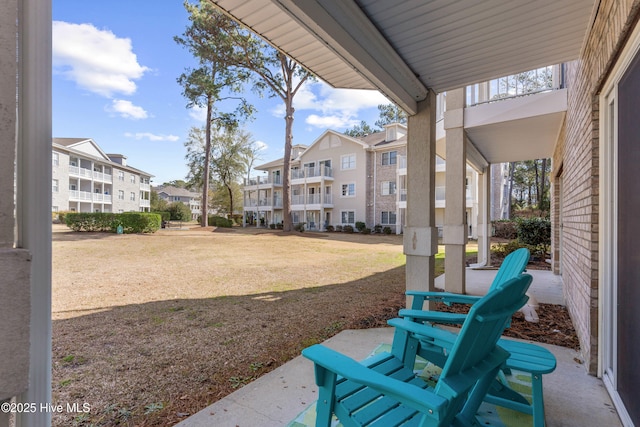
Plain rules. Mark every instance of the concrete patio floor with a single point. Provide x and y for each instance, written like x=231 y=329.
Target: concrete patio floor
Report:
x=572 y=397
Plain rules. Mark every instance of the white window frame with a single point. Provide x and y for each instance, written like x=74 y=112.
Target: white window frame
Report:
x=342 y=213
x=120 y=176
x=55 y=185
x=56 y=159
x=348 y=187
x=388 y=222
x=389 y=188
x=132 y=196
x=348 y=161
x=120 y=194
x=133 y=179
x=390 y=160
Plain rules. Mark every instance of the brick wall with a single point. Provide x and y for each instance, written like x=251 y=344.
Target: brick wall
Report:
x=576 y=158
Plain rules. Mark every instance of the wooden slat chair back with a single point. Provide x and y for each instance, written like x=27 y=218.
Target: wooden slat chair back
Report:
x=383 y=391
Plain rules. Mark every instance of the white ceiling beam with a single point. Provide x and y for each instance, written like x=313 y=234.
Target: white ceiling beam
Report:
x=348 y=32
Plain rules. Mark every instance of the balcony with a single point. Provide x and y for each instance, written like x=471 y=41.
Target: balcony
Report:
x=87 y=196
x=145 y=187
x=315 y=174
x=312 y=201
x=145 y=203
x=258 y=181
x=103 y=177
x=402 y=165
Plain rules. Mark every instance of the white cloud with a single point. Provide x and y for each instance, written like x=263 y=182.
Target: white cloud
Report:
x=97 y=60
x=198 y=114
x=260 y=145
x=336 y=108
x=127 y=110
x=331 y=121
x=151 y=136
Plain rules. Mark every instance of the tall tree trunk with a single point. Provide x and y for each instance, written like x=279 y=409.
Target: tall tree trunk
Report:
x=542 y=204
x=207 y=165
x=287 y=224
x=511 y=168
x=230 y=199
x=535 y=165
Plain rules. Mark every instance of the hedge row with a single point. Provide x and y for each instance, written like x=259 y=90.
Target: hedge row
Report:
x=131 y=222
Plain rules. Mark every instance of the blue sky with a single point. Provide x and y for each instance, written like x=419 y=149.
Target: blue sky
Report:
x=115 y=66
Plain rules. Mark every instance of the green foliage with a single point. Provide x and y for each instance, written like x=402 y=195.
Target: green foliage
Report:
x=360 y=226
x=157 y=204
x=329 y=228
x=338 y=228
x=504 y=249
x=272 y=226
x=535 y=232
x=362 y=129
x=377 y=228
x=299 y=227
x=386 y=230
x=219 y=221
x=365 y=230
x=347 y=229
x=164 y=215
x=178 y=211
x=390 y=113
x=131 y=222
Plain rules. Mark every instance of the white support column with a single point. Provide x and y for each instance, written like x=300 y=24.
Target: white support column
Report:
x=420 y=233
x=484 y=217
x=455 y=223
x=34 y=193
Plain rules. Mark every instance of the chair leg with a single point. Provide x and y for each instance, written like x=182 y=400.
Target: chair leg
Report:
x=538 y=400
x=326 y=381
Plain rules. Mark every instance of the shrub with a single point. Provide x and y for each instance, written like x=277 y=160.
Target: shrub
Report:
x=164 y=215
x=272 y=226
x=219 y=221
x=347 y=229
x=386 y=230
x=131 y=222
x=178 y=211
x=505 y=229
x=366 y=230
x=504 y=249
x=377 y=228
x=329 y=228
x=299 y=227
x=338 y=228
x=360 y=226
x=535 y=232
x=280 y=226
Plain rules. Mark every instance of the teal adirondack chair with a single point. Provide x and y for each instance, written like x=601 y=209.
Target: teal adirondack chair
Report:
x=513 y=265
x=383 y=391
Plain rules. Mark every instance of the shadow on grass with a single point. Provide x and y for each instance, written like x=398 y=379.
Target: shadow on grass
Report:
x=154 y=363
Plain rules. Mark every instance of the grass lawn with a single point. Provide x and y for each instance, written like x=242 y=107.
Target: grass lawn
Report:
x=150 y=328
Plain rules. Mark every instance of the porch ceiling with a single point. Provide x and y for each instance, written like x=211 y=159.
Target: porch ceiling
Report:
x=403 y=48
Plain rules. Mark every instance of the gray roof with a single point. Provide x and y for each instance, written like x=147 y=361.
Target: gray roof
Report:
x=172 y=191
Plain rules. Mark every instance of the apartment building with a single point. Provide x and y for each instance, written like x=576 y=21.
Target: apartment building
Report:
x=339 y=180
x=86 y=179
x=175 y=194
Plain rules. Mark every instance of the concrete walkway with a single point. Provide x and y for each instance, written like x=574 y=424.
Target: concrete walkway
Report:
x=572 y=397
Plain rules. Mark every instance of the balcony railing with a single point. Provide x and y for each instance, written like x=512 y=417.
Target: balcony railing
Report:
x=259 y=180
x=324 y=171
x=145 y=203
x=530 y=82
x=145 y=187
x=402 y=194
x=101 y=176
x=87 y=196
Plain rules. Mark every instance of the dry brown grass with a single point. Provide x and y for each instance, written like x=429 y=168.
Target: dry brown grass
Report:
x=150 y=328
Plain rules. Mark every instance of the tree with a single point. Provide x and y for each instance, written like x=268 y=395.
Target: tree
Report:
x=228 y=158
x=178 y=183
x=390 y=113
x=282 y=77
x=179 y=211
x=156 y=203
x=211 y=37
x=362 y=129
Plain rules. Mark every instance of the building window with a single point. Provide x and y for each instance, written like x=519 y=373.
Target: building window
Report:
x=120 y=195
x=388 y=187
x=348 y=161
x=132 y=197
x=56 y=159
x=348 y=217
x=388 y=217
x=390 y=158
x=55 y=185
x=133 y=179
x=120 y=176
x=54 y=209
x=348 y=190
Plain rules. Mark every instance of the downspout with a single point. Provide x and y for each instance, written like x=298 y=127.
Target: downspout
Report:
x=375 y=184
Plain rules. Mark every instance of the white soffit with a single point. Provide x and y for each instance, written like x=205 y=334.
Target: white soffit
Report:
x=402 y=47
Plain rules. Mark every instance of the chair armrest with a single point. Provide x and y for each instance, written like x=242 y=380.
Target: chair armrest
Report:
x=423 y=400
x=433 y=334
x=433 y=316
x=419 y=297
